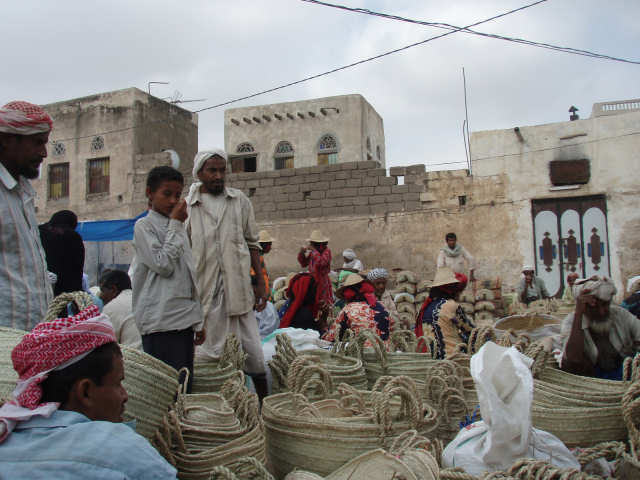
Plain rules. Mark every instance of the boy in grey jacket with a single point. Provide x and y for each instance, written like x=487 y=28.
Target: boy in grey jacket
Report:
x=165 y=300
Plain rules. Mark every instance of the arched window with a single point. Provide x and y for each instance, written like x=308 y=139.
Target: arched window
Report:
x=327 y=150
x=245 y=147
x=283 y=157
x=245 y=159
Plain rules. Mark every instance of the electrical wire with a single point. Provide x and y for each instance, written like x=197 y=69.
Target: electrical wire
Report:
x=453 y=28
x=312 y=77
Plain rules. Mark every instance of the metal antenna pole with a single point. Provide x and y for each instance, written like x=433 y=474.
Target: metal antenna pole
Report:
x=466 y=115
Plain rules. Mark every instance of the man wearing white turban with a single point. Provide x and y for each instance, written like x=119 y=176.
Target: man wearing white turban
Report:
x=225 y=246
x=598 y=336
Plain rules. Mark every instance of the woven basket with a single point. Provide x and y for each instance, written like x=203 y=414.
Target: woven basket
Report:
x=525 y=322
x=406 y=307
x=484 y=294
x=209 y=374
x=9 y=338
x=407 y=287
x=406 y=276
x=423 y=286
x=151 y=385
x=322 y=436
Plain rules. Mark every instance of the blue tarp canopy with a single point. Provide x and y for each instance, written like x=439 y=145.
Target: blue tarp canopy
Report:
x=108 y=230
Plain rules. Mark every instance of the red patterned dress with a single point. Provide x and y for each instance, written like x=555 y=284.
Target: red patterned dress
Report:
x=319 y=264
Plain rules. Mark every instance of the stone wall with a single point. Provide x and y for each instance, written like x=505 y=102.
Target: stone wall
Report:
x=354 y=188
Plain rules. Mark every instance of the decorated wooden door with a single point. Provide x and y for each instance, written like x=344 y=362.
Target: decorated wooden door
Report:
x=570 y=235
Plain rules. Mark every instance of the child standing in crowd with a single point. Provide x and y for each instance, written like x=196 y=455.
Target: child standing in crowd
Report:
x=165 y=301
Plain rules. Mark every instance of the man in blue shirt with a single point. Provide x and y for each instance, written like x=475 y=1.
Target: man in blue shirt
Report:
x=69 y=425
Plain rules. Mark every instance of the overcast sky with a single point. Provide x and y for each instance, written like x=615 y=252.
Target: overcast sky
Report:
x=220 y=50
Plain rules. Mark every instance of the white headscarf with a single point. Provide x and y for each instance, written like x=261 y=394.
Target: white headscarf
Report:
x=198 y=162
x=601 y=287
x=349 y=254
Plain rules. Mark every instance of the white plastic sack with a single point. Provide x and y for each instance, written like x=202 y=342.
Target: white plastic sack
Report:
x=505 y=391
x=268 y=320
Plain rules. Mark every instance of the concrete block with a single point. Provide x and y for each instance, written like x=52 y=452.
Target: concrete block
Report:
x=419 y=188
x=328 y=177
x=241 y=184
x=336 y=167
x=267 y=182
x=376 y=199
x=291 y=188
x=345 y=202
x=398 y=171
x=322 y=186
x=362 y=210
x=382 y=190
x=349 y=166
x=297 y=205
x=343 y=175
x=307 y=187
x=370 y=181
x=361 y=200
x=313 y=203
x=282 y=181
x=287 y=172
x=271 y=174
x=400 y=189
x=296 y=197
x=317 y=169
x=369 y=164
x=312 y=177
x=395 y=207
x=365 y=191
x=410 y=179
x=378 y=209
x=415 y=169
x=346 y=210
x=412 y=206
x=359 y=173
x=277 y=190
x=377 y=172
x=230 y=176
x=393 y=198
x=329 y=202
x=427 y=197
x=387 y=180
x=281 y=197
x=246 y=175
x=268 y=207
x=302 y=171
x=316 y=195
x=411 y=197
x=314 y=212
x=354 y=182
x=297 y=180
x=348 y=192
x=338 y=184
x=252 y=183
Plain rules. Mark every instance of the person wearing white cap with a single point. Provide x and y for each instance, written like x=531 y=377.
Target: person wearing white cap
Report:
x=531 y=288
x=598 y=336
x=224 y=241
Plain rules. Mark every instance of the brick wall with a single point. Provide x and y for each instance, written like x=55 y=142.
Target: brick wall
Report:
x=355 y=188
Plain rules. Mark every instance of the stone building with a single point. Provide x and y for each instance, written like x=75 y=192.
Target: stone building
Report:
x=322 y=131
x=562 y=196
x=102 y=147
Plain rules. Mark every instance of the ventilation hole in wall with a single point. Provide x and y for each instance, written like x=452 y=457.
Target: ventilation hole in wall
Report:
x=462 y=200
x=120 y=198
x=306 y=195
x=252 y=192
x=400 y=179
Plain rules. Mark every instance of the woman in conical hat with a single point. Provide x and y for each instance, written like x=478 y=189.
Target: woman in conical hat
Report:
x=442 y=316
x=317 y=257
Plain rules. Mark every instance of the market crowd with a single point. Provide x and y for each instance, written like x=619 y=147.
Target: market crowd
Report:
x=198 y=275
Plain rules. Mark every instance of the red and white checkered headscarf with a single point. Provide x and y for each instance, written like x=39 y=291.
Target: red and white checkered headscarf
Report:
x=24 y=118
x=50 y=346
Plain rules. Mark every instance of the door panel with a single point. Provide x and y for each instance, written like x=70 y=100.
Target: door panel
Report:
x=570 y=241
x=548 y=261
x=594 y=227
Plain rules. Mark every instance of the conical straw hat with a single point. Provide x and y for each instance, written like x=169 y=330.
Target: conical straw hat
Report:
x=317 y=237
x=444 y=276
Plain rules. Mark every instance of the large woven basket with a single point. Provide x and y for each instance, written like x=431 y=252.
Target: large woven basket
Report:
x=322 y=436
x=528 y=322
x=9 y=338
x=151 y=385
x=209 y=374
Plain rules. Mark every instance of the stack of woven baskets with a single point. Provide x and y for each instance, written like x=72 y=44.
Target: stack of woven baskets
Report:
x=279 y=289
x=205 y=431
x=312 y=369
x=480 y=308
x=209 y=374
x=404 y=296
x=320 y=436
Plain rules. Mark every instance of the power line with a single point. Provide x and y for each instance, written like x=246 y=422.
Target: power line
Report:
x=369 y=59
x=447 y=26
x=328 y=72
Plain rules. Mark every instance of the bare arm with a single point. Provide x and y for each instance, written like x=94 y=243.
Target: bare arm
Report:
x=261 y=297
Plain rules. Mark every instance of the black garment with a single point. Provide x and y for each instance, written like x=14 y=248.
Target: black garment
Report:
x=64 y=250
x=304 y=317
x=175 y=348
x=632 y=303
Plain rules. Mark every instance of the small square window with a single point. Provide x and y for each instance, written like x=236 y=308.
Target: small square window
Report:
x=58 y=181
x=98 y=175
x=462 y=200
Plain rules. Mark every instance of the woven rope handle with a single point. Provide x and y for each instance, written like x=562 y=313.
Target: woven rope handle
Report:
x=609 y=450
x=537 y=352
x=302 y=407
x=351 y=399
x=222 y=473
x=306 y=377
x=630 y=411
x=255 y=468
x=455 y=474
x=403 y=340
x=376 y=343
x=58 y=306
x=409 y=407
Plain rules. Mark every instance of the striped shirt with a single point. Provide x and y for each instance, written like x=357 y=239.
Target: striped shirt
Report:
x=24 y=284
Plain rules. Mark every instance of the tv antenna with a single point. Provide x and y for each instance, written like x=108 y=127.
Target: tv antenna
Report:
x=177 y=98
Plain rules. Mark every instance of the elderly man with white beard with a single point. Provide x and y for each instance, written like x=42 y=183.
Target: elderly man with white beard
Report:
x=598 y=336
